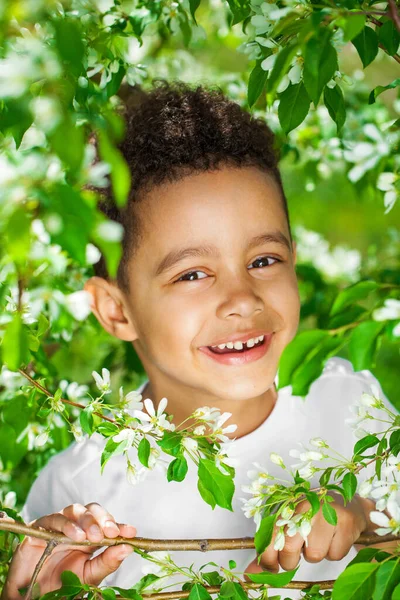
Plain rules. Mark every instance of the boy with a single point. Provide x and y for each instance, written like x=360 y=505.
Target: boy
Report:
x=208 y=259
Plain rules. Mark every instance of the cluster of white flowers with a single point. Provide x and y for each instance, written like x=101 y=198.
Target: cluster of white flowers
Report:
x=361 y=413
x=390 y=310
x=336 y=264
x=215 y=420
x=389 y=183
x=8 y=500
x=296 y=523
x=307 y=457
x=365 y=155
x=258 y=488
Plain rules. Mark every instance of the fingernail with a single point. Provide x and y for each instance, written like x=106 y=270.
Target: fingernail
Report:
x=94 y=529
x=111 y=525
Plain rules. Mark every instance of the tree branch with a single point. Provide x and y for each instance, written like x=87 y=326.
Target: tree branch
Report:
x=48 y=550
x=394 y=14
x=151 y=545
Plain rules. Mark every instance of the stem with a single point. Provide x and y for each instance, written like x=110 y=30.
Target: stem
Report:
x=394 y=14
x=293 y=585
x=151 y=545
x=48 y=550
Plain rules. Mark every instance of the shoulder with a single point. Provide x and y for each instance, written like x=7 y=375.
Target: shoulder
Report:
x=343 y=369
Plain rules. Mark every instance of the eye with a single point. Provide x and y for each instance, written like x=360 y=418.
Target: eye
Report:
x=189 y=274
x=261 y=259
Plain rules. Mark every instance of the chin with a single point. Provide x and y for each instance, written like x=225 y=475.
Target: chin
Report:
x=242 y=390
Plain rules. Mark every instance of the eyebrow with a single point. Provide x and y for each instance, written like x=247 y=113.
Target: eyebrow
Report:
x=178 y=254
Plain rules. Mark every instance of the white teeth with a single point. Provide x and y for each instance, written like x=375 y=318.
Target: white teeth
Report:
x=239 y=345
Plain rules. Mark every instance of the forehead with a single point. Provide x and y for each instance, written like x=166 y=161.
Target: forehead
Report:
x=212 y=206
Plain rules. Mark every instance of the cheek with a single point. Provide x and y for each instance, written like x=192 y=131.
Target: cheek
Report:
x=175 y=323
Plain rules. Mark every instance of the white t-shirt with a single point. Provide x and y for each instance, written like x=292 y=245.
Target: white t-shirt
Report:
x=175 y=510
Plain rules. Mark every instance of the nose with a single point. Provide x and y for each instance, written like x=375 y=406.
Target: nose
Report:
x=240 y=298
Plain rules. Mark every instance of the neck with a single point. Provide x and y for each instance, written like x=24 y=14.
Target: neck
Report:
x=247 y=415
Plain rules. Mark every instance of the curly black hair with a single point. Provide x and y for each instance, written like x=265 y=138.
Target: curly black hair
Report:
x=175 y=130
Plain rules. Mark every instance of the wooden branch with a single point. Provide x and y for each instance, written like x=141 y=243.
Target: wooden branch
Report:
x=151 y=545
x=293 y=585
x=395 y=16
x=48 y=550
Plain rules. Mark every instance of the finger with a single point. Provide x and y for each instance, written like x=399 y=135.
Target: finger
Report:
x=289 y=556
x=105 y=563
x=60 y=523
x=107 y=522
x=319 y=539
x=268 y=561
x=344 y=536
x=91 y=525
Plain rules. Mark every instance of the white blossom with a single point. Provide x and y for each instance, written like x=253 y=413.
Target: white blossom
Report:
x=277 y=459
x=155 y=421
x=132 y=400
x=220 y=432
x=103 y=382
x=135 y=474
x=387 y=524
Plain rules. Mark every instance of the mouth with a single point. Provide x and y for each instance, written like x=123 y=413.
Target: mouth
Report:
x=239 y=353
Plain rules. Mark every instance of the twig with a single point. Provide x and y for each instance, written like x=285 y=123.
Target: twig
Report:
x=151 y=545
x=48 y=550
x=293 y=585
x=394 y=14
x=42 y=389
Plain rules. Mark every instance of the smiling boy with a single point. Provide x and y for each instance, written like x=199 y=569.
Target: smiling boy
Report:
x=207 y=294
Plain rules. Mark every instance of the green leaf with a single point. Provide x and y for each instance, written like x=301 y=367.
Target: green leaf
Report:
x=220 y=486
x=115 y=82
x=369 y=441
x=387 y=578
x=320 y=64
x=293 y=108
x=334 y=102
x=120 y=174
x=17 y=236
x=358 y=291
x=352 y=24
x=171 y=442
x=86 y=420
x=308 y=372
x=240 y=9
x=264 y=533
x=366 y=44
x=15 y=346
x=144 y=452
x=199 y=592
x=349 y=485
x=108 y=594
x=389 y=37
x=128 y=593
x=257 y=80
x=107 y=429
x=177 y=469
x=112 y=449
x=355 y=583
x=382 y=88
x=68 y=142
x=396 y=593
x=363 y=344
x=364 y=555
x=329 y=513
x=68 y=37
x=206 y=494
x=194 y=5
x=280 y=68
x=296 y=352
x=273 y=579
x=313 y=499
x=232 y=590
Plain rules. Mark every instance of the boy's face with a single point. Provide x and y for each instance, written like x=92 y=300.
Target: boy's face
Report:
x=230 y=291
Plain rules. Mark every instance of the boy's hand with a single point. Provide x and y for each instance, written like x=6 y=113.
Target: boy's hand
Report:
x=332 y=542
x=75 y=521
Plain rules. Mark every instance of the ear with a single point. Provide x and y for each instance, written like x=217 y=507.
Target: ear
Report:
x=110 y=309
